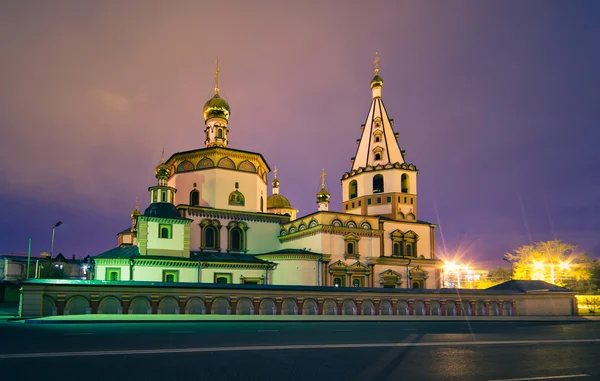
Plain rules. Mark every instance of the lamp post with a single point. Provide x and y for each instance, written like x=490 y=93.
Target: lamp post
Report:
x=53 y=230
x=52 y=248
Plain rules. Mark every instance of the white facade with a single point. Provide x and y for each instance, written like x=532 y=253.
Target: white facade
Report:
x=224 y=228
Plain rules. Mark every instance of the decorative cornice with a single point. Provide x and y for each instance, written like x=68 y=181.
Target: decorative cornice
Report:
x=112 y=261
x=337 y=230
x=227 y=265
x=401 y=261
x=380 y=167
x=232 y=214
x=182 y=221
x=272 y=257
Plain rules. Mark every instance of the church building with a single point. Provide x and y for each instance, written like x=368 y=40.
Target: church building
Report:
x=210 y=218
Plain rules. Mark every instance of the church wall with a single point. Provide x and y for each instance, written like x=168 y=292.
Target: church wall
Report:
x=261 y=236
x=101 y=271
x=208 y=275
x=155 y=273
x=215 y=185
x=174 y=243
x=423 y=231
x=380 y=209
x=335 y=245
x=296 y=272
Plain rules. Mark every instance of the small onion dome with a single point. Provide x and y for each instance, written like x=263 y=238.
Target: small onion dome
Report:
x=216 y=107
x=377 y=81
x=275 y=183
x=135 y=213
x=323 y=196
x=276 y=201
x=162 y=171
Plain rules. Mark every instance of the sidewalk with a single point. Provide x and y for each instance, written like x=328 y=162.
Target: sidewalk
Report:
x=82 y=319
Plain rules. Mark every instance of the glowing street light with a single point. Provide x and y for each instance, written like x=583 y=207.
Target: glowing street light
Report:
x=565 y=266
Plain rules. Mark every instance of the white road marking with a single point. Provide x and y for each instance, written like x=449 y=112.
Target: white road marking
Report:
x=283 y=347
x=544 y=378
x=180 y=331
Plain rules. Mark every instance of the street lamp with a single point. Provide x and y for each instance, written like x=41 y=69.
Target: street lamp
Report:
x=52 y=249
x=53 y=230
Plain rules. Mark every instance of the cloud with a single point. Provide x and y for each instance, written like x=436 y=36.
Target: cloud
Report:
x=112 y=100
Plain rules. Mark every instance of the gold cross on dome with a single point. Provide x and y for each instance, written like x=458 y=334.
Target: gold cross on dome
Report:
x=323 y=178
x=217 y=77
x=162 y=156
x=376 y=63
x=275 y=172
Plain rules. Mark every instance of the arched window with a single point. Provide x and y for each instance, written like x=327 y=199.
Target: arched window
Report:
x=235 y=239
x=356 y=283
x=377 y=139
x=164 y=231
x=416 y=285
x=397 y=249
x=261 y=204
x=353 y=189
x=337 y=282
x=209 y=237
x=350 y=248
x=378 y=184
x=164 y=196
x=409 y=250
x=219 y=133
x=377 y=156
x=194 y=197
x=404 y=183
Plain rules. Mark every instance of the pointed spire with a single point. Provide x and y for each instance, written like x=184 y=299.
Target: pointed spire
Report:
x=377 y=81
x=217 y=77
x=275 y=182
x=323 y=197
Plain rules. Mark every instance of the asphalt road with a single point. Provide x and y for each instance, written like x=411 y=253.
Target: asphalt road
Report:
x=301 y=351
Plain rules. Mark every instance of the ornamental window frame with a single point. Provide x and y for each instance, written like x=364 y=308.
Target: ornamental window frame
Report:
x=216 y=226
x=404 y=244
x=241 y=227
x=390 y=279
x=351 y=246
x=170 y=273
x=165 y=231
x=338 y=270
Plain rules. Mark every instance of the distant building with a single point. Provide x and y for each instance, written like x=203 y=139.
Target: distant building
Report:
x=210 y=219
x=13 y=267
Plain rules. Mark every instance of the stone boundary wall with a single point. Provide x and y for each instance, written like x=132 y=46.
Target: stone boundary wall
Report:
x=92 y=297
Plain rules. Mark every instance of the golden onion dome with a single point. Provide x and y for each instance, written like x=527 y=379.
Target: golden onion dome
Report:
x=376 y=81
x=216 y=107
x=277 y=201
x=323 y=196
x=135 y=213
x=162 y=171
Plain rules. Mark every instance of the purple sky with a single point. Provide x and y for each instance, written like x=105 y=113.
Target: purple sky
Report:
x=496 y=103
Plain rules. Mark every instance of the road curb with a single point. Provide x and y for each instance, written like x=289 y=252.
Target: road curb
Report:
x=106 y=319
